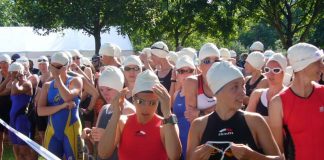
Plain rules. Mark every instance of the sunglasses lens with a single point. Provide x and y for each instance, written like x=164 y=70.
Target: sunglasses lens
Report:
x=126 y=68
x=207 y=61
x=276 y=70
x=129 y=68
x=266 y=69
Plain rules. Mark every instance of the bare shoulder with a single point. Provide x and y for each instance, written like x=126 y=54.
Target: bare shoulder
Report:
x=255 y=121
x=258 y=91
x=253 y=116
x=199 y=124
x=247 y=78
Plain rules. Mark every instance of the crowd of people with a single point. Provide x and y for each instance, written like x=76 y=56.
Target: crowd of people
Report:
x=161 y=104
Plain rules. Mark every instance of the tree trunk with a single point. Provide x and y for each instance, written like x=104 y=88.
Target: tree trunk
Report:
x=97 y=41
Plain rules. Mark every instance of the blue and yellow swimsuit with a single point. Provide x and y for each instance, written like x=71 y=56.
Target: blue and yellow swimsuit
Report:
x=62 y=136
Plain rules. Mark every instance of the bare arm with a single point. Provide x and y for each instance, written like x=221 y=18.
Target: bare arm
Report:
x=7 y=89
x=275 y=120
x=69 y=93
x=4 y=83
x=25 y=88
x=190 y=92
x=195 y=151
x=42 y=108
x=89 y=88
x=170 y=132
x=253 y=101
x=112 y=133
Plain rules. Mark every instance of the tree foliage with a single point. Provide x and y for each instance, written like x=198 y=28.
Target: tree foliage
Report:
x=291 y=18
x=8 y=16
x=93 y=17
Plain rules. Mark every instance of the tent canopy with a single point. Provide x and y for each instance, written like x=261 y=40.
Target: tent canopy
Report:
x=25 y=39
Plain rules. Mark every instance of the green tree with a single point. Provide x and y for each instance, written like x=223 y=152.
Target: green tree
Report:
x=92 y=17
x=259 y=32
x=177 y=21
x=8 y=16
x=291 y=18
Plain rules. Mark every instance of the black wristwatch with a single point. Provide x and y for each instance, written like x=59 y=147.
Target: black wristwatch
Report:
x=172 y=120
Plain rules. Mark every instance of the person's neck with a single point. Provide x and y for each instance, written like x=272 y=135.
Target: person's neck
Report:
x=165 y=65
x=224 y=112
x=275 y=88
x=130 y=85
x=143 y=119
x=46 y=74
x=256 y=74
x=302 y=86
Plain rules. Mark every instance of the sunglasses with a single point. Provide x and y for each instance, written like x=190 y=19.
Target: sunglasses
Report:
x=75 y=58
x=273 y=70
x=130 y=68
x=41 y=60
x=158 y=48
x=184 y=71
x=143 y=102
x=209 y=61
x=58 y=67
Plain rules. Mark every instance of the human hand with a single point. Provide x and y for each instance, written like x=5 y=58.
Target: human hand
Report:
x=117 y=103
x=164 y=98
x=241 y=151
x=96 y=133
x=70 y=105
x=191 y=113
x=203 y=152
x=55 y=72
x=85 y=133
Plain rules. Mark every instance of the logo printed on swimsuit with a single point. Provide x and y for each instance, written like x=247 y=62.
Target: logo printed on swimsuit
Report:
x=321 y=109
x=57 y=98
x=225 y=132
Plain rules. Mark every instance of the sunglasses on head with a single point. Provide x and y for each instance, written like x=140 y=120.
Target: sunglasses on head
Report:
x=41 y=60
x=143 y=102
x=184 y=71
x=58 y=67
x=209 y=61
x=273 y=70
x=75 y=58
x=158 y=48
x=130 y=68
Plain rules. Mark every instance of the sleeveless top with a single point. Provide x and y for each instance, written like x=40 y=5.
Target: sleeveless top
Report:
x=234 y=130
x=303 y=119
x=262 y=106
x=250 y=87
x=141 y=141
x=5 y=101
x=19 y=104
x=60 y=118
x=179 y=107
x=166 y=81
x=203 y=101
x=102 y=123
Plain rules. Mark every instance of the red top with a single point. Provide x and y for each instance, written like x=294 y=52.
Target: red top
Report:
x=304 y=118
x=141 y=141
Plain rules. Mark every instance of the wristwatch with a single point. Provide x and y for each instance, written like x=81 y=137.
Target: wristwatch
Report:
x=172 y=120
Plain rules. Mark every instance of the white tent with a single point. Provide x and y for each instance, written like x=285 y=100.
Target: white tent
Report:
x=25 y=41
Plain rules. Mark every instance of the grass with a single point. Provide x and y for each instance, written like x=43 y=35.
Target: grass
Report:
x=8 y=152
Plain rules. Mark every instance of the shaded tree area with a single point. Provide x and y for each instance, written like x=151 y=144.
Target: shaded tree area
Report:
x=177 y=22
x=93 y=17
x=291 y=18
